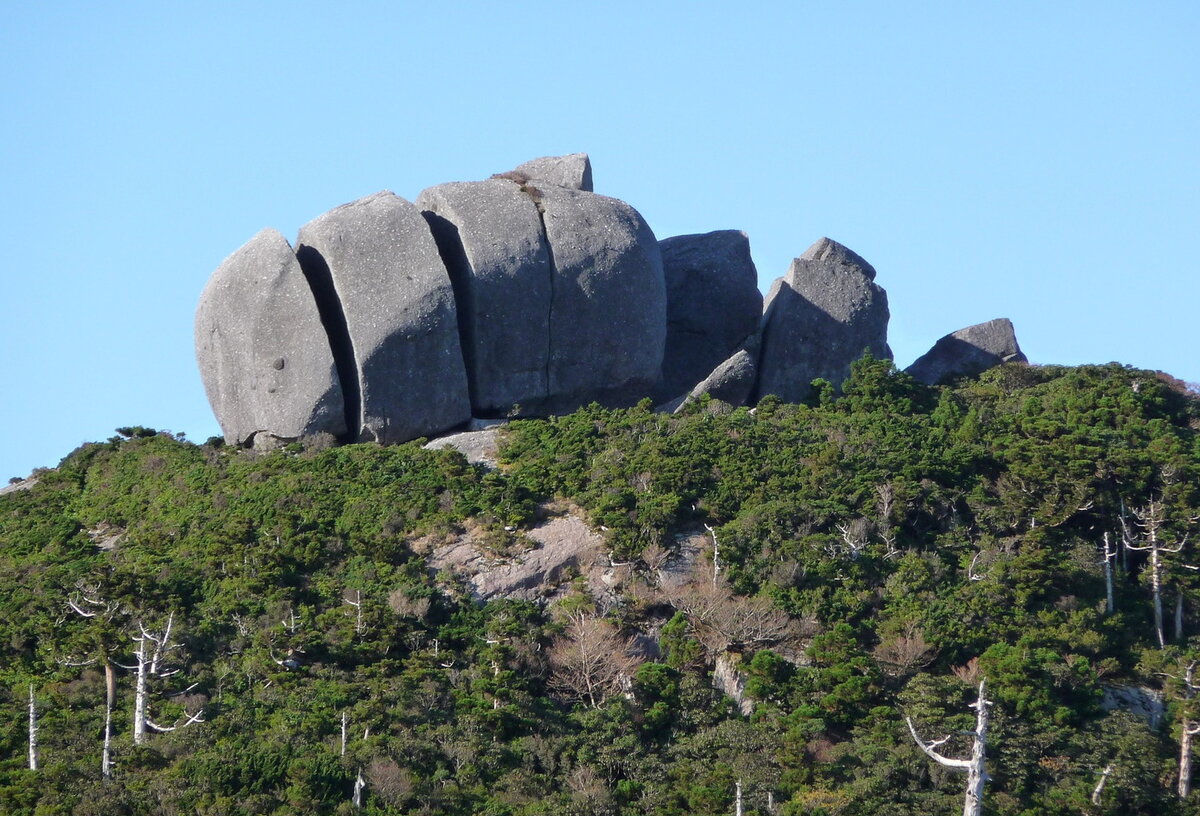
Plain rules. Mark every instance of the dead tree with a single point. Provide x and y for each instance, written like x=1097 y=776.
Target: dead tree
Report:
x=110 y=695
x=1110 y=555
x=33 y=731
x=149 y=653
x=975 y=766
x=1151 y=519
x=1098 y=791
x=1188 y=728
x=592 y=662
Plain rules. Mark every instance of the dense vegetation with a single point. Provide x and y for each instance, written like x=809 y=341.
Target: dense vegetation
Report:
x=880 y=552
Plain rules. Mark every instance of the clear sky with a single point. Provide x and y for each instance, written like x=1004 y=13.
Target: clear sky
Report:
x=1038 y=161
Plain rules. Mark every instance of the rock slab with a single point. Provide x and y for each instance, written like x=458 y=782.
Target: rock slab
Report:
x=491 y=238
x=608 y=307
x=713 y=305
x=375 y=263
x=823 y=315
x=968 y=352
x=263 y=352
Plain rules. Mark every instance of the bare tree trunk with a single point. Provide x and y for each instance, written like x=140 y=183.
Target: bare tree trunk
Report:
x=1099 y=789
x=33 y=731
x=976 y=766
x=1189 y=730
x=359 y=784
x=110 y=694
x=139 y=695
x=343 y=733
x=1109 y=556
x=737 y=808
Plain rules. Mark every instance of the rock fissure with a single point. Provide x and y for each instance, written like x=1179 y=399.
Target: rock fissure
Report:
x=333 y=319
x=458 y=265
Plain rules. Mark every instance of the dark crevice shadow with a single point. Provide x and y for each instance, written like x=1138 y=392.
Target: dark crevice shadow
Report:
x=333 y=318
x=454 y=258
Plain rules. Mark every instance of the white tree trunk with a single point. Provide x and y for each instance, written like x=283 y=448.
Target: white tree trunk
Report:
x=33 y=731
x=1109 y=556
x=110 y=694
x=737 y=808
x=1099 y=789
x=1190 y=729
x=359 y=784
x=976 y=766
x=139 y=695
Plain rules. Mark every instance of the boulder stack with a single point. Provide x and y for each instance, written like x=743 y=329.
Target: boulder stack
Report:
x=525 y=294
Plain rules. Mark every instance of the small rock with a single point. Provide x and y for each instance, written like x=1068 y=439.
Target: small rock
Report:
x=573 y=171
x=968 y=352
x=731 y=382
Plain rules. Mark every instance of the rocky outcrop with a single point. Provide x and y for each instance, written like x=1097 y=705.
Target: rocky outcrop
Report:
x=375 y=260
x=524 y=294
x=491 y=237
x=968 y=352
x=713 y=305
x=573 y=171
x=262 y=350
x=823 y=315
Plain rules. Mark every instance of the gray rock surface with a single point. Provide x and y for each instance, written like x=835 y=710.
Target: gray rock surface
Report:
x=478 y=446
x=375 y=263
x=732 y=381
x=573 y=171
x=608 y=310
x=561 y=547
x=23 y=484
x=818 y=319
x=264 y=355
x=969 y=351
x=491 y=239
x=713 y=304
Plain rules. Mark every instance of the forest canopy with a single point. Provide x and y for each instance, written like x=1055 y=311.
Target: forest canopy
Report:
x=264 y=633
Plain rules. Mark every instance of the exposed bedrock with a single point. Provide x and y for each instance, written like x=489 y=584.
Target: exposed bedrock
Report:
x=491 y=238
x=261 y=348
x=968 y=352
x=820 y=317
x=573 y=171
x=713 y=305
x=608 y=305
x=378 y=258
x=732 y=381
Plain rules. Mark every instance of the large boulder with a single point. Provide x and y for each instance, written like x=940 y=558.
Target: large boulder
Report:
x=968 y=352
x=491 y=239
x=608 y=308
x=823 y=315
x=713 y=304
x=573 y=171
x=263 y=353
x=374 y=264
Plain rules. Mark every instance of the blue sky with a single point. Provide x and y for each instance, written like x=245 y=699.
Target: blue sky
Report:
x=1030 y=160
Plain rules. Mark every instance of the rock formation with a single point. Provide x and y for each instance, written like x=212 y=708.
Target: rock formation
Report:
x=262 y=350
x=379 y=266
x=713 y=305
x=823 y=315
x=525 y=294
x=969 y=351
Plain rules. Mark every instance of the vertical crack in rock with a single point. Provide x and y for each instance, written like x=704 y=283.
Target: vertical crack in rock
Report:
x=454 y=256
x=333 y=318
